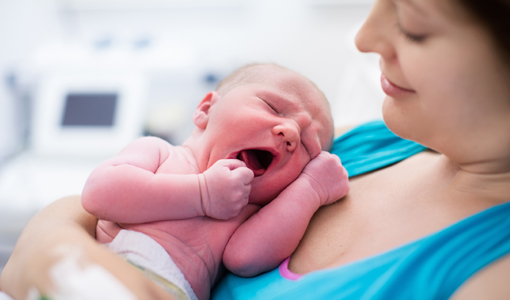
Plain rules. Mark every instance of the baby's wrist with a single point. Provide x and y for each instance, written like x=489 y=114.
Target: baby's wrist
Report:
x=313 y=188
x=203 y=192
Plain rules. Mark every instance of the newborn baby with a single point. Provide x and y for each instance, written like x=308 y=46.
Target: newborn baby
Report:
x=239 y=192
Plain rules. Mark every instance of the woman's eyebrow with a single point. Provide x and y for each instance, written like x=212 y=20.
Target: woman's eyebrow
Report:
x=412 y=3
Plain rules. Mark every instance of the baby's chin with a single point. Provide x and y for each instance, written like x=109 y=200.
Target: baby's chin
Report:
x=260 y=197
x=266 y=189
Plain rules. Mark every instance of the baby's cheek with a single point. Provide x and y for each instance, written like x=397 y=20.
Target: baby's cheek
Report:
x=306 y=163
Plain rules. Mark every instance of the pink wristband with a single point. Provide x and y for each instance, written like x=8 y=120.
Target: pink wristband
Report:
x=286 y=273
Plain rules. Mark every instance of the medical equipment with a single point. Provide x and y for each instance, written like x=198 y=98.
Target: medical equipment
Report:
x=78 y=120
x=87 y=114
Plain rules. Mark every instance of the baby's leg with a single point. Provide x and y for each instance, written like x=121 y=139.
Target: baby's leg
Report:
x=106 y=231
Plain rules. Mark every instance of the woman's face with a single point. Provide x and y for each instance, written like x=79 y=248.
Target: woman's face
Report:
x=446 y=86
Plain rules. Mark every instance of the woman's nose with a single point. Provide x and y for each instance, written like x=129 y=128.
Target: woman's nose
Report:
x=377 y=32
x=289 y=133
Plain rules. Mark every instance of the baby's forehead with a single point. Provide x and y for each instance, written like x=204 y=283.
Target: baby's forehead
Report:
x=289 y=85
x=292 y=83
x=294 y=94
x=305 y=94
x=311 y=104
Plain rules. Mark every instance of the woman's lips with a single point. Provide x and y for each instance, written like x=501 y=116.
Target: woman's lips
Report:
x=391 y=89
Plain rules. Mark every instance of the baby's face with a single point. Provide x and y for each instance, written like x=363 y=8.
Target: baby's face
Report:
x=276 y=125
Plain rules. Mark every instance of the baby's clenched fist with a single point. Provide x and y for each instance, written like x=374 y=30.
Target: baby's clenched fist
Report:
x=327 y=176
x=225 y=188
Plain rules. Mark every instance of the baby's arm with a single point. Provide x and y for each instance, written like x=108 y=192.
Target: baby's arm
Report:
x=127 y=189
x=273 y=233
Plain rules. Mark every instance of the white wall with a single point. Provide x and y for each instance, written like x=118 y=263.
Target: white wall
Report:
x=310 y=36
x=24 y=25
x=314 y=37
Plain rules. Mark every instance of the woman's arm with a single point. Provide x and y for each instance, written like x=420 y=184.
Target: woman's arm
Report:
x=61 y=226
x=489 y=283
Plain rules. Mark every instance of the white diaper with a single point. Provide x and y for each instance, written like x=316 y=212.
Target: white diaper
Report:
x=146 y=254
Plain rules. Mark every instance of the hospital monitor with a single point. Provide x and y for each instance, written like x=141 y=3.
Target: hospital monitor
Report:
x=87 y=114
x=89 y=109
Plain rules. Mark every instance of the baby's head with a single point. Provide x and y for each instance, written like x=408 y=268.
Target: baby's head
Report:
x=272 y=118
x=260 y=73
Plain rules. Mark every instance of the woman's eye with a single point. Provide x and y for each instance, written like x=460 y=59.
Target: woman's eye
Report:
x=416 y=38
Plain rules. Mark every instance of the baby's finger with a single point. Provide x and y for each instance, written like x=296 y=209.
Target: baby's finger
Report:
x=245 y=175
x=233 y=164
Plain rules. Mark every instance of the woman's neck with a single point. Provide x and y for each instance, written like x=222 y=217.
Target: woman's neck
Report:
x=484 y=180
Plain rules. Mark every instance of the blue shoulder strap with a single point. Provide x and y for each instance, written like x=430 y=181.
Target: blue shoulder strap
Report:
x=432 y=267
x=372 y=146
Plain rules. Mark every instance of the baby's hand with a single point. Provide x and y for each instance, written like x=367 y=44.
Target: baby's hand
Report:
x=225 y=188
x=327 y=176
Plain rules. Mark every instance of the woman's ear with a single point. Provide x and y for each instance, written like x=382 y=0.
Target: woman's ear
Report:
x=201 y=115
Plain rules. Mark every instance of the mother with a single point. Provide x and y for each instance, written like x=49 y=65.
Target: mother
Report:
x=428 y=225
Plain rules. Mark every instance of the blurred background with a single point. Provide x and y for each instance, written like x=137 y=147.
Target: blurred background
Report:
x=79 y=79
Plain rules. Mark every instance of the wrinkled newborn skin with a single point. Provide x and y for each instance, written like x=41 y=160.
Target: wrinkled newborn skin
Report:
x=206 y=202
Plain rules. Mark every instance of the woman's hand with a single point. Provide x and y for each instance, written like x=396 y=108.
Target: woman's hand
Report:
x=54 y=233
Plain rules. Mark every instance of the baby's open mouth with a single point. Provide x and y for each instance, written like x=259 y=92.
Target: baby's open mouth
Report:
x=256 y=160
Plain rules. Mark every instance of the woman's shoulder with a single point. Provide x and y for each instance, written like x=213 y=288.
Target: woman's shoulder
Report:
x=371 y=146
x=489 y=283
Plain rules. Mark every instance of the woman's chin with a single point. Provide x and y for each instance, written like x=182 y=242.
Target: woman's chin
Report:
x=396 y=119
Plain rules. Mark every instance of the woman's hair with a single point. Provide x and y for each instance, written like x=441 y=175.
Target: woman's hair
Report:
x=495 y=16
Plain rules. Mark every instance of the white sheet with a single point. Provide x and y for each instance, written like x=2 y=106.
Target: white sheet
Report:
x=4 y=296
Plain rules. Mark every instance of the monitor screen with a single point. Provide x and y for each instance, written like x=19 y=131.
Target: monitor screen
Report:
x=89 y=109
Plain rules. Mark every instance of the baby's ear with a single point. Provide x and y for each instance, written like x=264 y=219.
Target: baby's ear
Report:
x=201 y=115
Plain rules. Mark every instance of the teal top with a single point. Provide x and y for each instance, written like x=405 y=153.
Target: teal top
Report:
x=432 y=267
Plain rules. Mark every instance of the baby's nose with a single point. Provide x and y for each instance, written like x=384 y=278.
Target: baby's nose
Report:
x=289 y=134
